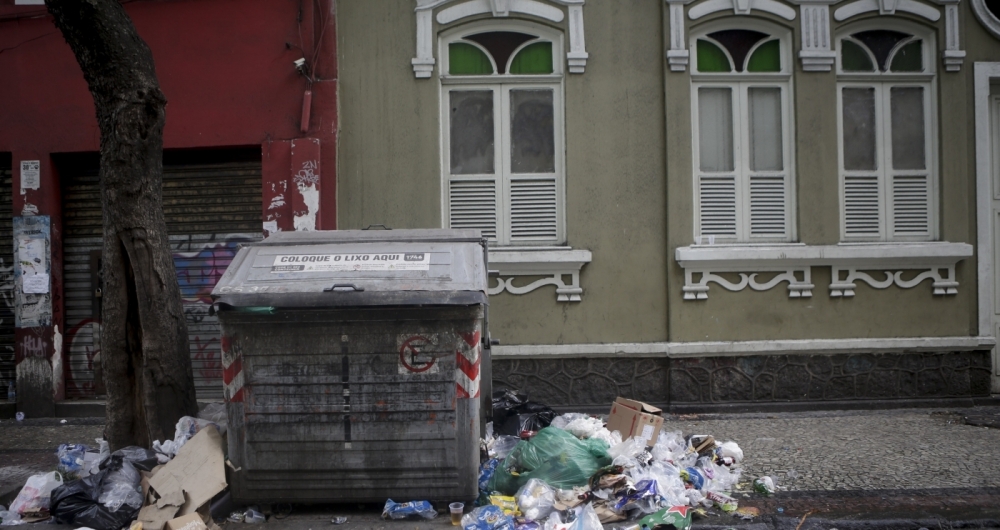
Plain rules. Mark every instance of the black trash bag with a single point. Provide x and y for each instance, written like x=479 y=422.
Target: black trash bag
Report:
x=513 y=413
x=142 y=459
x=77 y=502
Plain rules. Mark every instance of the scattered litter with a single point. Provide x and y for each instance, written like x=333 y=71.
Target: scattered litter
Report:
x=514 y=414
x=803 y=520
x=254 y=517
x=64 y=421
x=487 y=518
x=780 y=509
x=456 y=509
x=33 y=502
x=764 y=485
x=19 y=416
x=340 y=519
x=238 y=516
x=397 y=510
x=747 y=513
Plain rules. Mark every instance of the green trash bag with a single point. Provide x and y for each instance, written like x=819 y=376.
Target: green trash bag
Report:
x=553 y=456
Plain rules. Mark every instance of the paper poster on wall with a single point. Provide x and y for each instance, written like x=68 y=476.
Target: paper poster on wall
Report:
x=32 y=267
x=31 y=175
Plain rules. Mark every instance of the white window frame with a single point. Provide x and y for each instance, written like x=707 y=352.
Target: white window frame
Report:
x=739 y=84
x=501 y=85
x=883 y=82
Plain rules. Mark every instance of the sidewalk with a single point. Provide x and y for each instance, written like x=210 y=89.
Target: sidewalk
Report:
x=860 y=469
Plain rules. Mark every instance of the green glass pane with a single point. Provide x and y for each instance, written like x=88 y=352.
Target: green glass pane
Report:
x=533 y=59
x=853 y=58
x=767 y=58
x=466 y=59
x=909 y=58
x=711 y=58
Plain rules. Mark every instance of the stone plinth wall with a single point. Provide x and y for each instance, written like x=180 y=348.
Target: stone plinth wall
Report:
x=750 y=380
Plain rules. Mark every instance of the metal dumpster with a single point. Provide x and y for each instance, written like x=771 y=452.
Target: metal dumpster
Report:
x=354 y=365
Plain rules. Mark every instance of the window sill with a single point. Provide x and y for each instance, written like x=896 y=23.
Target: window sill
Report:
x=554 y=263
x=935 y=260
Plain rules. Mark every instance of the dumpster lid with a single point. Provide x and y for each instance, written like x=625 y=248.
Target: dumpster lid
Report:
x=357 y=267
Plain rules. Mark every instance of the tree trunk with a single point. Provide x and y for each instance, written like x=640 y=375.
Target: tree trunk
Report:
x=144 y=347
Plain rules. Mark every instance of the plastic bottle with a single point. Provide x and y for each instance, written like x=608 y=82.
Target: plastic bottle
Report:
x=11 y=395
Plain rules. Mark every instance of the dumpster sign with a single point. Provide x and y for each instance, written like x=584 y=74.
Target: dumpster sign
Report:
x=400 y=261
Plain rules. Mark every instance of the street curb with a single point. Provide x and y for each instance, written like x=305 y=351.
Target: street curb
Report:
x=819 y=523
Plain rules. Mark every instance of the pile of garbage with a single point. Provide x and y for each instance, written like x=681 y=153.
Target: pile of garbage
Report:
x=571 y=472
x=169 y=486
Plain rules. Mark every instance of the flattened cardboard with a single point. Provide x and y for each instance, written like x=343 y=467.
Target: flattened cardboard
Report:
x=197 y=471
x=635 y=419
x=185 y=520
x=153 y=518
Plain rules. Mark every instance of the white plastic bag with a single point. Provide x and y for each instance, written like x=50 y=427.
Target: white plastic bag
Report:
x=536 y=499
x=629 y=448
x=34 y=496
x=121 y=487
x=216 y=413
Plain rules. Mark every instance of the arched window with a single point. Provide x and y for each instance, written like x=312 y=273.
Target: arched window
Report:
x=502 y=120
x=742 y=131
x=887 y=134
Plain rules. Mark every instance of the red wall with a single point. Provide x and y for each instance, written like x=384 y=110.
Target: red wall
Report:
x=226 y=68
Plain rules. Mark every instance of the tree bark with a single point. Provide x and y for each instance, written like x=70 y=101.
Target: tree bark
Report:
x=144 y=347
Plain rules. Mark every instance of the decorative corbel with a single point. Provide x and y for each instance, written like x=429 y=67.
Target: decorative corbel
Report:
x=678 y=55
x=953 y=56
x=816 y=53
x=423 y=63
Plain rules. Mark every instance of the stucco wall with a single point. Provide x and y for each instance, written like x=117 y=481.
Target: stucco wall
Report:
x=615 y=187
x=892 y=312
x=629 y=189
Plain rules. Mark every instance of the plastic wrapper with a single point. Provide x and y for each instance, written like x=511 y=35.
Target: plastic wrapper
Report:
x=677 y=516
x=695 y=477
x=77 y=502
x=121 y=486
x=487 y=518
x=630 y=448
x=560 y=422
x=503 y=445
x=643 y=498
x=580 y=518
x=72 y=460
x=142 y=459
x=722 y=501
x=215 y=413
x=536 y=500
x=186 y=427
x=8 y=518
x=402 y=510
x=506 y=503
x=34 y=498
x=554 y=456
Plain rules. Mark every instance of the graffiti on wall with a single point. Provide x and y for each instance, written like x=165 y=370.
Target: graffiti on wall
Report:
x=32 y=299
x=201 y=260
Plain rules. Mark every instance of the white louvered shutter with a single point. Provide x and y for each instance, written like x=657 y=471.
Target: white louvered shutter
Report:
x=533 y=210
x=768 y=206
x=717 y=203
x=861 y=206
x=473 y=204
x=911 y=206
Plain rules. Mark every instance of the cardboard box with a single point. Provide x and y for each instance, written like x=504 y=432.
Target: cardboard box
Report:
x=635 y=419
x=185 y=520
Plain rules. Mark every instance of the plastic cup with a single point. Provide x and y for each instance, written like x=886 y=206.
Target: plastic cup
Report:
x=456 y=513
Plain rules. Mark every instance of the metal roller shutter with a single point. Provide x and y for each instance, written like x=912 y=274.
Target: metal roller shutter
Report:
x=211 y=206
x=6 y=278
